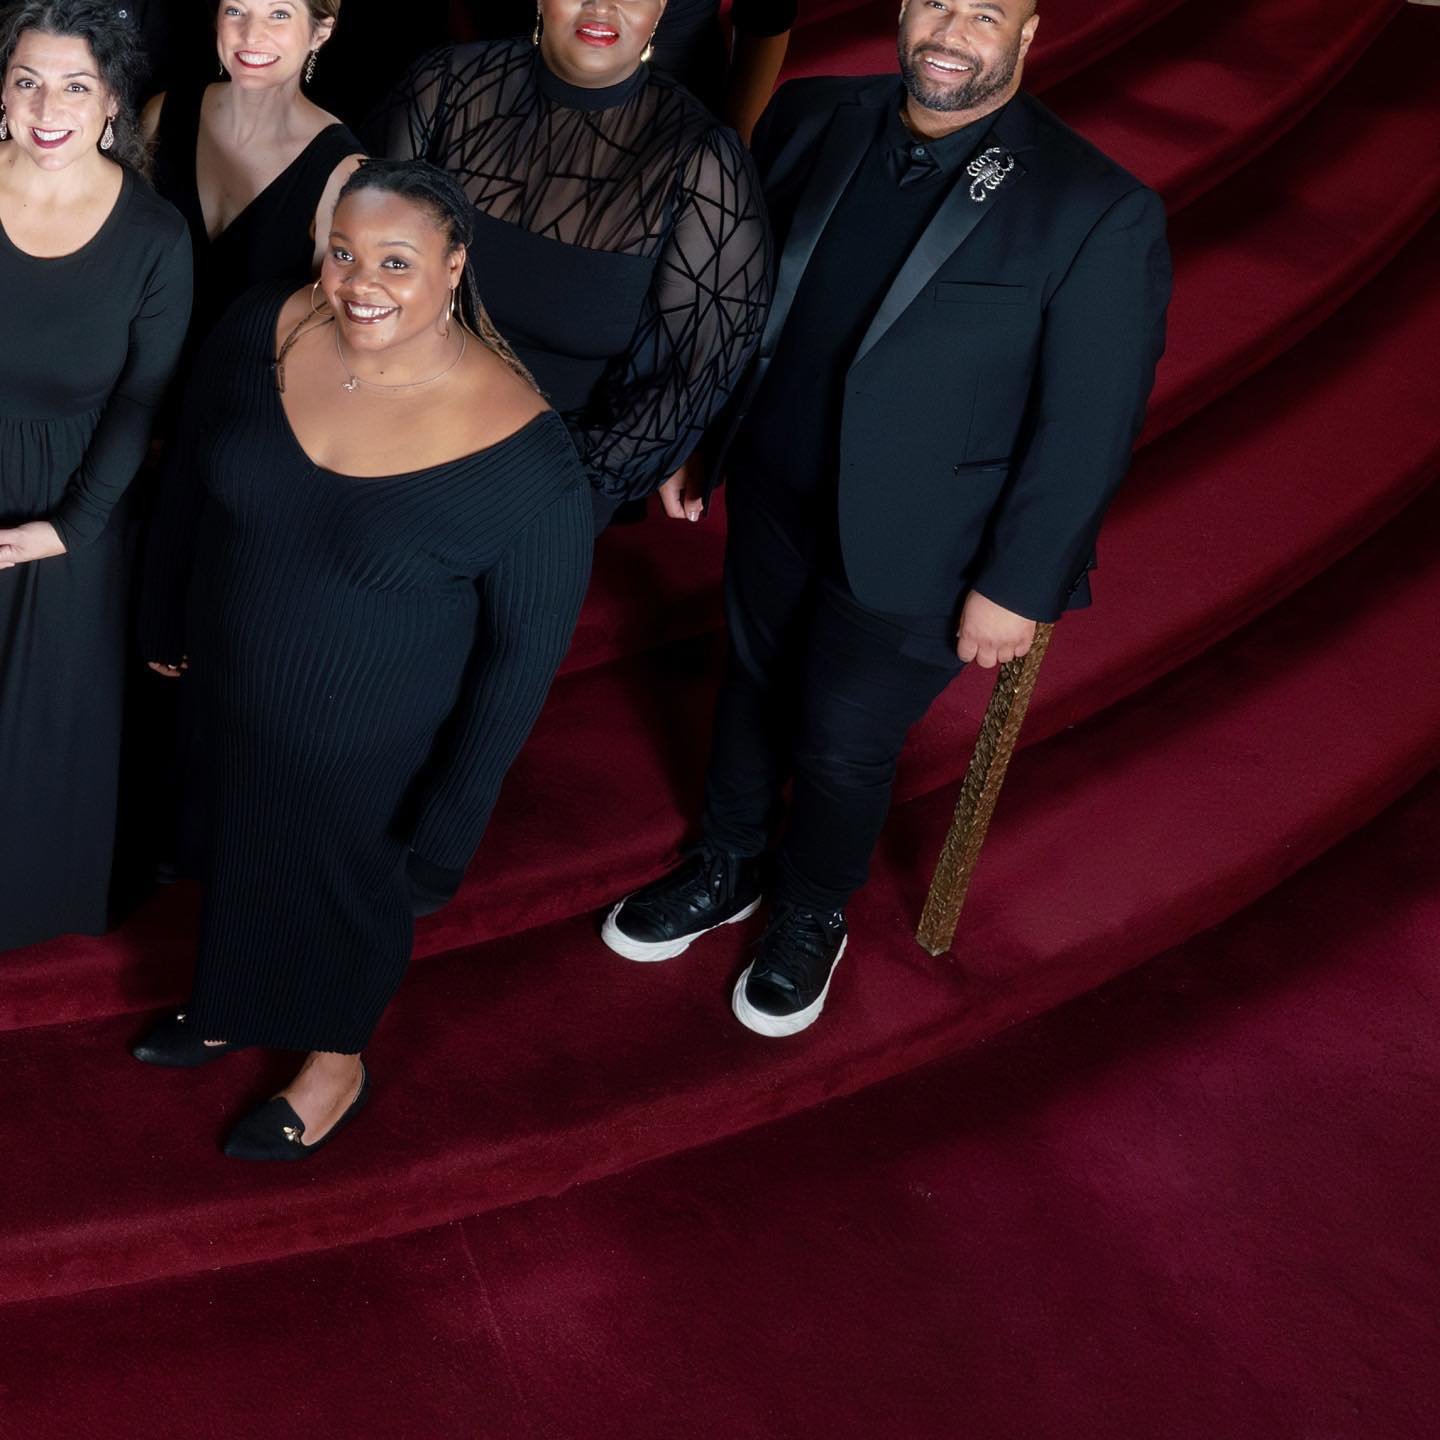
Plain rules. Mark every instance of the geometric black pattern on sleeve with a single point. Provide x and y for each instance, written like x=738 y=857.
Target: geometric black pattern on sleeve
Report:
x=655 y=176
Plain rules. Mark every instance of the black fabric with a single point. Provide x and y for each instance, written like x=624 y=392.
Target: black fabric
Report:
x=271 y=238
x=634 y=217
x=88 y=342
x=820 y=690
x=369 y=655
x=792 y=433
x=990 y=406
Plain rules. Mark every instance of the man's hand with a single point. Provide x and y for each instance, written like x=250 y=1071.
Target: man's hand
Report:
x=990 y=634
x=683 y=494
x=170 y=672
x=35 y=540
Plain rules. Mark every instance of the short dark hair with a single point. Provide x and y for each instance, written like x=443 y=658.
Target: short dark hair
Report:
x=450 y=207
x=117 y=54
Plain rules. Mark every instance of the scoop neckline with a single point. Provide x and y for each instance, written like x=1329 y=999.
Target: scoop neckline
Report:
x=127 y=181
x=274 y=391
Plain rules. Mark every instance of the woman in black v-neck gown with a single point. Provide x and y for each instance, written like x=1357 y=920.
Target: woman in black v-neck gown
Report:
x=274 y=236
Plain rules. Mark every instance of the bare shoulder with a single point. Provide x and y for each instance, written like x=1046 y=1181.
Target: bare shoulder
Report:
x=504 y=401
x=150 y=116
x=294 y=310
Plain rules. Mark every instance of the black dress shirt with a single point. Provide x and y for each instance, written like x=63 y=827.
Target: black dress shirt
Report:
x=791 y=435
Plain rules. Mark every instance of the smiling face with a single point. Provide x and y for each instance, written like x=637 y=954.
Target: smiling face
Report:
x=964 y=55
x=389 y=271
x=267 y=42
x=55 y=101
x=595 y=43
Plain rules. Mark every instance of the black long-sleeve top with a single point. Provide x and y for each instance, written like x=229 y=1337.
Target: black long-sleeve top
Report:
x=621 y=243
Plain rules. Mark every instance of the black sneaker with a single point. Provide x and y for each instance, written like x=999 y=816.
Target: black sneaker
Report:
x=709 y=888
x=783 y=988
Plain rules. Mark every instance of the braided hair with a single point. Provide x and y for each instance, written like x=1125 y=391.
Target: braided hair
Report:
x=117 y=53
x=441 y=195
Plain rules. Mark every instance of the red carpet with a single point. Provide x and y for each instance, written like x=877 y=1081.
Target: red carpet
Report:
x=1198 y=1202
x=1254 y=684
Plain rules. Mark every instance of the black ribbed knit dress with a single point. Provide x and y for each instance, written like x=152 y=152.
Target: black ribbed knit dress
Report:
x=369 y=656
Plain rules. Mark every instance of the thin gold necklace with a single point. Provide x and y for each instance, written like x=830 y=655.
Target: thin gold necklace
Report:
x=356 y=381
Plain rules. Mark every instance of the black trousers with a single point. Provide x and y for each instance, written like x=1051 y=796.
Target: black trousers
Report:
x=819 y=690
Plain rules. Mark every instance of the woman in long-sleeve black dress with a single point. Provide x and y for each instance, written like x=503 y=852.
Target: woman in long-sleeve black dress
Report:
x=389 y=537
x=95 y=274
x=620 y=228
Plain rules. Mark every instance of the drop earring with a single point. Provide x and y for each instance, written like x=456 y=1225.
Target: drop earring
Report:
x=4 y=124
x=310 y=65
x=107 y=136
x=648 y=53
x=535 y=33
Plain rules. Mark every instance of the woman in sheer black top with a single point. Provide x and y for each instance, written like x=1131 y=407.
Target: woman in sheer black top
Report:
x=621 y=240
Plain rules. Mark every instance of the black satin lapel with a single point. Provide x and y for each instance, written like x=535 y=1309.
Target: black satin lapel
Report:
x=947 y=231
x=846 y=140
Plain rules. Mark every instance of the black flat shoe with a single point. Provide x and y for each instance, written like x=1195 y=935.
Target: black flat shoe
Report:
x=273 y=1131
x=173 y=1042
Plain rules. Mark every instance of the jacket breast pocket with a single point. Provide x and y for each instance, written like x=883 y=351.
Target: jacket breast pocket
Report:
x=967 y=292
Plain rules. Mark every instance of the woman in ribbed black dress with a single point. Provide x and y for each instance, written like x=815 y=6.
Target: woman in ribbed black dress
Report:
x=385 y=535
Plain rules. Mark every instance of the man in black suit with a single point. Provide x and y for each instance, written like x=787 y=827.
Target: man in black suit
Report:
x=969 y=310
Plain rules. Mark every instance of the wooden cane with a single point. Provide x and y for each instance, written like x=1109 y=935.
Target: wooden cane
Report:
x=999 y=730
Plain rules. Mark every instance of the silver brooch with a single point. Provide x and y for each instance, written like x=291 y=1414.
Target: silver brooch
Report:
x=988 y=169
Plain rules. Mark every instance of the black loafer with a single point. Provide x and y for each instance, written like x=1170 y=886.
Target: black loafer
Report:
x=173 y=1042
x=273 y=1131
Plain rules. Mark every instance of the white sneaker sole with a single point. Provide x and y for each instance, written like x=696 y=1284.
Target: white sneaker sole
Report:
x=647 y=951
x=778 y=1026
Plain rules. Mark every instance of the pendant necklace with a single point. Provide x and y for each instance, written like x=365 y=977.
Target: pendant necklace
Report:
x=356 y=381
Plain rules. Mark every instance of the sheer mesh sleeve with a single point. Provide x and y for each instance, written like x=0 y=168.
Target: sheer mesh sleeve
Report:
x=407 y=125
x=699 y=326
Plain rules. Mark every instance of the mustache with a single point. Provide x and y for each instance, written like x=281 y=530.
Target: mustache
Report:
x=958 y=56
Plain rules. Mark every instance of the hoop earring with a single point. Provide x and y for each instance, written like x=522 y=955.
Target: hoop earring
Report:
x=223 y=72
x=4 y=124
x=107 y=137
x=449 y=314
x=648 y=53
x=539 y=21
x=314 y=308
x=310 y=65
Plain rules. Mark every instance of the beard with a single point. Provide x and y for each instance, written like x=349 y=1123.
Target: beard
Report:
x=981 y=84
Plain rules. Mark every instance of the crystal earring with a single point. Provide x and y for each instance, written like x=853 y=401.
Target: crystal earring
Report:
x=4 y=124
x=648 y=53
x=535 y=33
x=107 y=137
x=310 y=66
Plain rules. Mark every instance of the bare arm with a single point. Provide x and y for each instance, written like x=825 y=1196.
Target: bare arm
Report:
x=325 y=210
x=754 y=69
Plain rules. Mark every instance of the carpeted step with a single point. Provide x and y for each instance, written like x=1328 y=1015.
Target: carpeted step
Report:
x=1258 y=264
x=1219 y=520
x=1194 y=99
x=534 y=1064
x=857 y=37
x=1183 y=1164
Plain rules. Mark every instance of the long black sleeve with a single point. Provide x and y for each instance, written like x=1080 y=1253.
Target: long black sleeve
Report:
x=118 y=445
x=529 y=604
x=1104 y=335
x=700 y=324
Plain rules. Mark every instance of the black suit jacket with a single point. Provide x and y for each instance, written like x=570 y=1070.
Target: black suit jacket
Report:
x=991 y=407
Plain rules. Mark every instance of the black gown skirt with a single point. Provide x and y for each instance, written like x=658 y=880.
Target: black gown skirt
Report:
x=88 y=342
x=368 y=656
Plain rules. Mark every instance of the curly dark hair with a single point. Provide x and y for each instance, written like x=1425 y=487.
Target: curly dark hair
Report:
x=117 y=53
x=439 y=193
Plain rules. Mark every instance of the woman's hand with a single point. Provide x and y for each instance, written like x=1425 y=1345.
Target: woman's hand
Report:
x=35 y=540
x=170 y=672
x=683 y=494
